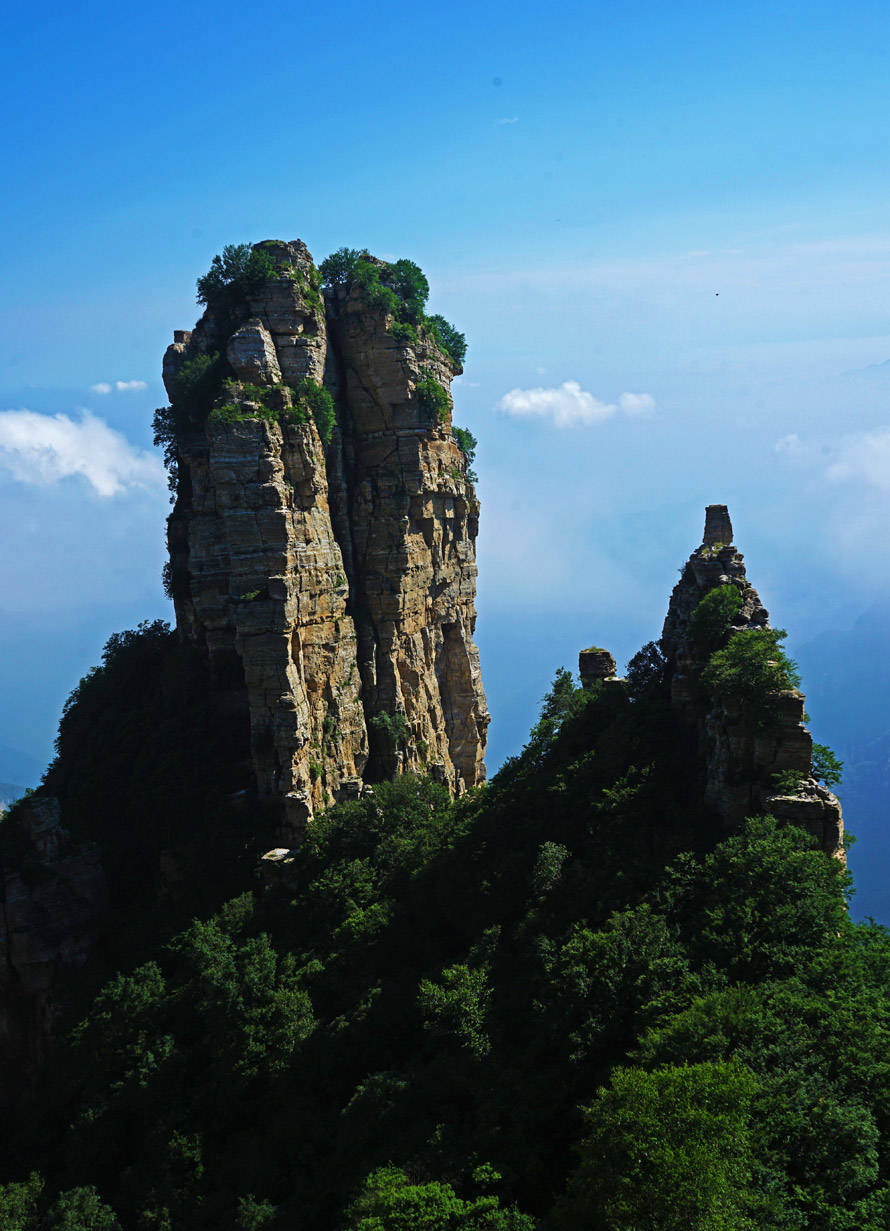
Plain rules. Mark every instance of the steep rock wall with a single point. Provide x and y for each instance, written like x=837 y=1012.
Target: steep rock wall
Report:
x=412 y=518
x=740 y=761
x=330 y=587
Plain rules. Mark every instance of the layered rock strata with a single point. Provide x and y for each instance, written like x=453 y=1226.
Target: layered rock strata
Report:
x=741 y=762
x=332 y=588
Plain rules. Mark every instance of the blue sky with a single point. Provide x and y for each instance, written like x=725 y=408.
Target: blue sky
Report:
x=687 y=202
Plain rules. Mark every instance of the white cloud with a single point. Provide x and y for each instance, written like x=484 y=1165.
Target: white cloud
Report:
x=512 y=119
x=42 y=449
x=122 y=386
x=637 y=403
x=570 y=406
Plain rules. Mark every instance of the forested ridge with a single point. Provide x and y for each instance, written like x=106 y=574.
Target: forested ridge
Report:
x=560 y=1001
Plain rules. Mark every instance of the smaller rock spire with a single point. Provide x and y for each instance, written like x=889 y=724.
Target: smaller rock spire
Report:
x=718 y=527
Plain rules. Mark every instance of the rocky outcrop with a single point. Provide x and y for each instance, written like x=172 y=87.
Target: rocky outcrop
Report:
x=54 y=900
x=332 y=587
x=595 y=665
x=743 y=764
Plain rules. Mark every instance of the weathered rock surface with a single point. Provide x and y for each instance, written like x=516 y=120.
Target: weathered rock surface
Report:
x=413 y=518
x=252 y=355
x=740 y=762
x=54 y=899
x=595 y=665
x=330 y=590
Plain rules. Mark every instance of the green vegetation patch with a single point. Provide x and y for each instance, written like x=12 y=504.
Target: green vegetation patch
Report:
x=433 y=398
x=451 y=340
x=827 y=767
x=467 y=444
x=278 y=403
x=750 y=671
x=710 y=622
x=398 y=288
x=234 y=274
x=392 y=730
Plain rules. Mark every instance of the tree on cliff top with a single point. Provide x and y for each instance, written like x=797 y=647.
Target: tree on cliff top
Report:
x=234 y=273
x=398 y=288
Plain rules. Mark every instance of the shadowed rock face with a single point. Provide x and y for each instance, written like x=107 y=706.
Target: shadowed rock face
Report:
x=740 y=762
x=718 y=527
x=331 y=586
x=595 y=665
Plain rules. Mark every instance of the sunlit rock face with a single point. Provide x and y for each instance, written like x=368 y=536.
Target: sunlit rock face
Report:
x=332 y=586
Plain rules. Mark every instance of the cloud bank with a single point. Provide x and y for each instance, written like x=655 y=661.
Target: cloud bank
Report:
x=569 y=405
x=42 y=449
x=860 y=457
x=121 y=386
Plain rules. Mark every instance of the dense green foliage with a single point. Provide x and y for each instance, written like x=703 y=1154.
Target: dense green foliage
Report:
x=827 y=767
x=398 y=288
x=26 y=1207
x=320 y=405
x=564 y=1001
x=451 y=340
x=710 y=621
x=433 y=399
x=750 y=670
x=145 y=762
x=669 y=1149
x=234 y=273
x=467 y=443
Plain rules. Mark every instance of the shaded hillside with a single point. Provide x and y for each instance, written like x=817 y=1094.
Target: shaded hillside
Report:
x=568 y=999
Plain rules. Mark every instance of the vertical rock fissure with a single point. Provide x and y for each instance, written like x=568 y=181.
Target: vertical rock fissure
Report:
x=343 y=453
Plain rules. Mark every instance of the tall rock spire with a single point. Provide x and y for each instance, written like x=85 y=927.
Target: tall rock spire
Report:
x=331 y=584
x=747 y=768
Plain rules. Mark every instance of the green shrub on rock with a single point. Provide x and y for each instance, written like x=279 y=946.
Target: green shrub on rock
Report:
x=451 y=340
x=314 y=398
x=433 y=399
x=827 y=767
x=234 y=273
x=751 y=670
x=711 y=619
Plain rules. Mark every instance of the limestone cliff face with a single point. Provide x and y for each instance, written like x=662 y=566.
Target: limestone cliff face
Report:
x=412 y=519
x=740 y=761
x=331 y=587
